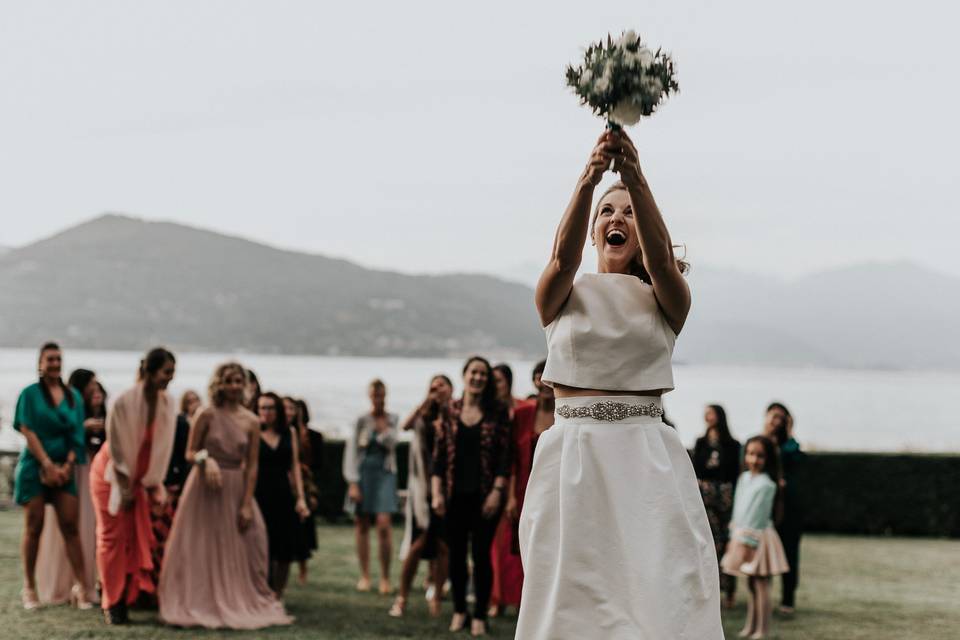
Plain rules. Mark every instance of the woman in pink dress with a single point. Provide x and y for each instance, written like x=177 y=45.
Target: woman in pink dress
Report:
x=126 y=484
x=214 y=573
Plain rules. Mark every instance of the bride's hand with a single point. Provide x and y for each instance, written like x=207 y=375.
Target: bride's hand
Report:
x=599 y=160
x=627 y=158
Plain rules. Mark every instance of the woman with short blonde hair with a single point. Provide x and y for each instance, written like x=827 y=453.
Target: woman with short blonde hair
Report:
x=370 y=469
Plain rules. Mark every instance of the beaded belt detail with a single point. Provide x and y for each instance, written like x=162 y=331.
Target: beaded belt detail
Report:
x=608 y=411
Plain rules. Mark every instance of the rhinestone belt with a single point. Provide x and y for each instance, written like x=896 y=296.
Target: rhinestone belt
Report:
x=607 y=411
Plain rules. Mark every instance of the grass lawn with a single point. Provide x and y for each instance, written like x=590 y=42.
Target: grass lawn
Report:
x=851 y=588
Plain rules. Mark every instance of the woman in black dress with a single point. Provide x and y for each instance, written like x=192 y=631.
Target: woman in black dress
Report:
x=282 y=510
x=306 y=543
x=716 y=461
x=778 y=426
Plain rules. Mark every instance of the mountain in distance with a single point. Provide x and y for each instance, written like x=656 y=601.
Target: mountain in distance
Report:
x=122 y=283
x=894 y=315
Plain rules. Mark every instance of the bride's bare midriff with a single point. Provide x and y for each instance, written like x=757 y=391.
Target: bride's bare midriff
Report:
x=563 y=391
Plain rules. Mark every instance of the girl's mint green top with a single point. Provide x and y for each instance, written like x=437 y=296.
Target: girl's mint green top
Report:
x=60 y=430
x=753 y=505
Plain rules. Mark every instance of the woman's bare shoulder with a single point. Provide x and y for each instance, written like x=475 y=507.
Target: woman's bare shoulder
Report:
x=249 y=419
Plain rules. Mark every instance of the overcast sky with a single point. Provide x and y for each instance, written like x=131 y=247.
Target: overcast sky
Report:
x=440 y=136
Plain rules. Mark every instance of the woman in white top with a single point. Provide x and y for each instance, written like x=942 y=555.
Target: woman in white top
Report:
x=614 y=537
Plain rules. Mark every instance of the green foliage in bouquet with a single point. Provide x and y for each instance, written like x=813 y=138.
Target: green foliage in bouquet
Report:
x=623 y=80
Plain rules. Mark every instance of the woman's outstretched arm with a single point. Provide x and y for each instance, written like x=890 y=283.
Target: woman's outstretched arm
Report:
x=557 y=279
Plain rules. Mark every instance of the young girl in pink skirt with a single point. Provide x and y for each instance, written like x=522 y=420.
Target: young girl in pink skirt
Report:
x=755 y=551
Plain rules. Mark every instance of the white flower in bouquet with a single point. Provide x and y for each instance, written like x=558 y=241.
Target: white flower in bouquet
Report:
x=623 y=80
x=626 y=112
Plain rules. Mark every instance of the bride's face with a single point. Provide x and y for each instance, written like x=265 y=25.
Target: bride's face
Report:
x=615 y=234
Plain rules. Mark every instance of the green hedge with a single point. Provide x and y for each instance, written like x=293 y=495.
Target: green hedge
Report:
x=881 y=494
x=856 y=493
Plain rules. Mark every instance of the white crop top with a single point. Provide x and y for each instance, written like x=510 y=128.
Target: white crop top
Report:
x=610 y=335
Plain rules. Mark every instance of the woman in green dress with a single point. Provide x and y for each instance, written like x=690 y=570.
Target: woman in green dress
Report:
x=50 y=416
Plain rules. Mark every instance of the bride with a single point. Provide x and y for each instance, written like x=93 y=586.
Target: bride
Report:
x=614 y=537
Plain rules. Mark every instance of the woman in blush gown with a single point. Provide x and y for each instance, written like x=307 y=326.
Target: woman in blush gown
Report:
x=215 y=566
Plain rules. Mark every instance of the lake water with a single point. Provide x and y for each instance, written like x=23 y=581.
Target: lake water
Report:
x=833 y=409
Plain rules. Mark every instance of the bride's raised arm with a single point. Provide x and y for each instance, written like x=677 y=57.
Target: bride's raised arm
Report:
x=557 y=278
x=656 y=247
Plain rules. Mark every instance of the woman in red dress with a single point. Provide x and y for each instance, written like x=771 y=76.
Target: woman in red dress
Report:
x=126 y=483
x=528 y=415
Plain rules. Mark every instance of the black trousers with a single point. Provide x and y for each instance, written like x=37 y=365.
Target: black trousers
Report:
x=789 y=532
x=466 y=524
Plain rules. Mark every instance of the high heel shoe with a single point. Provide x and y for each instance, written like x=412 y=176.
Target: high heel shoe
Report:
x=29 y=598
x=478 y=628
x=78 y=598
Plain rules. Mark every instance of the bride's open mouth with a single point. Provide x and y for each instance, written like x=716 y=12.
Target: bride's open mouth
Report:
x=616 y=238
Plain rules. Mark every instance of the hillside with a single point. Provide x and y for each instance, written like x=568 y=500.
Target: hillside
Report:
x=120 y=282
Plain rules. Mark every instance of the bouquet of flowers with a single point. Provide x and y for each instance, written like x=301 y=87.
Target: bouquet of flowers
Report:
x=623 y=80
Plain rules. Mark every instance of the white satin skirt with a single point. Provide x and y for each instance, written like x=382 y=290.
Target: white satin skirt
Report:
x=614 y=537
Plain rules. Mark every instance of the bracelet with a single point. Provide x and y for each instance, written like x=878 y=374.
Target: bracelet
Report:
x=200 y=457
x=500 y=489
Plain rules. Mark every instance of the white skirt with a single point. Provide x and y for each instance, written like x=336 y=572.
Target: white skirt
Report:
x=614 y=537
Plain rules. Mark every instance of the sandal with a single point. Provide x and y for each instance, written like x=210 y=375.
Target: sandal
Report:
x=399 y=605
x=29 y=598
x=458 y=622
x=78 y=598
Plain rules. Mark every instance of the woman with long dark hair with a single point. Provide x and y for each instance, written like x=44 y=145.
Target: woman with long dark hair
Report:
x=282 y=510
x=54 y=574
x=251 y=391
x=530 y=419
x=471 y=469
x=370 y=469
x=614 y=537
x=50 y=417
x=422 y=537
x=507 y=582
x=215 y=571
x=126 y=483
x=716 y=461
x=778 y=426
x=306 y=538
